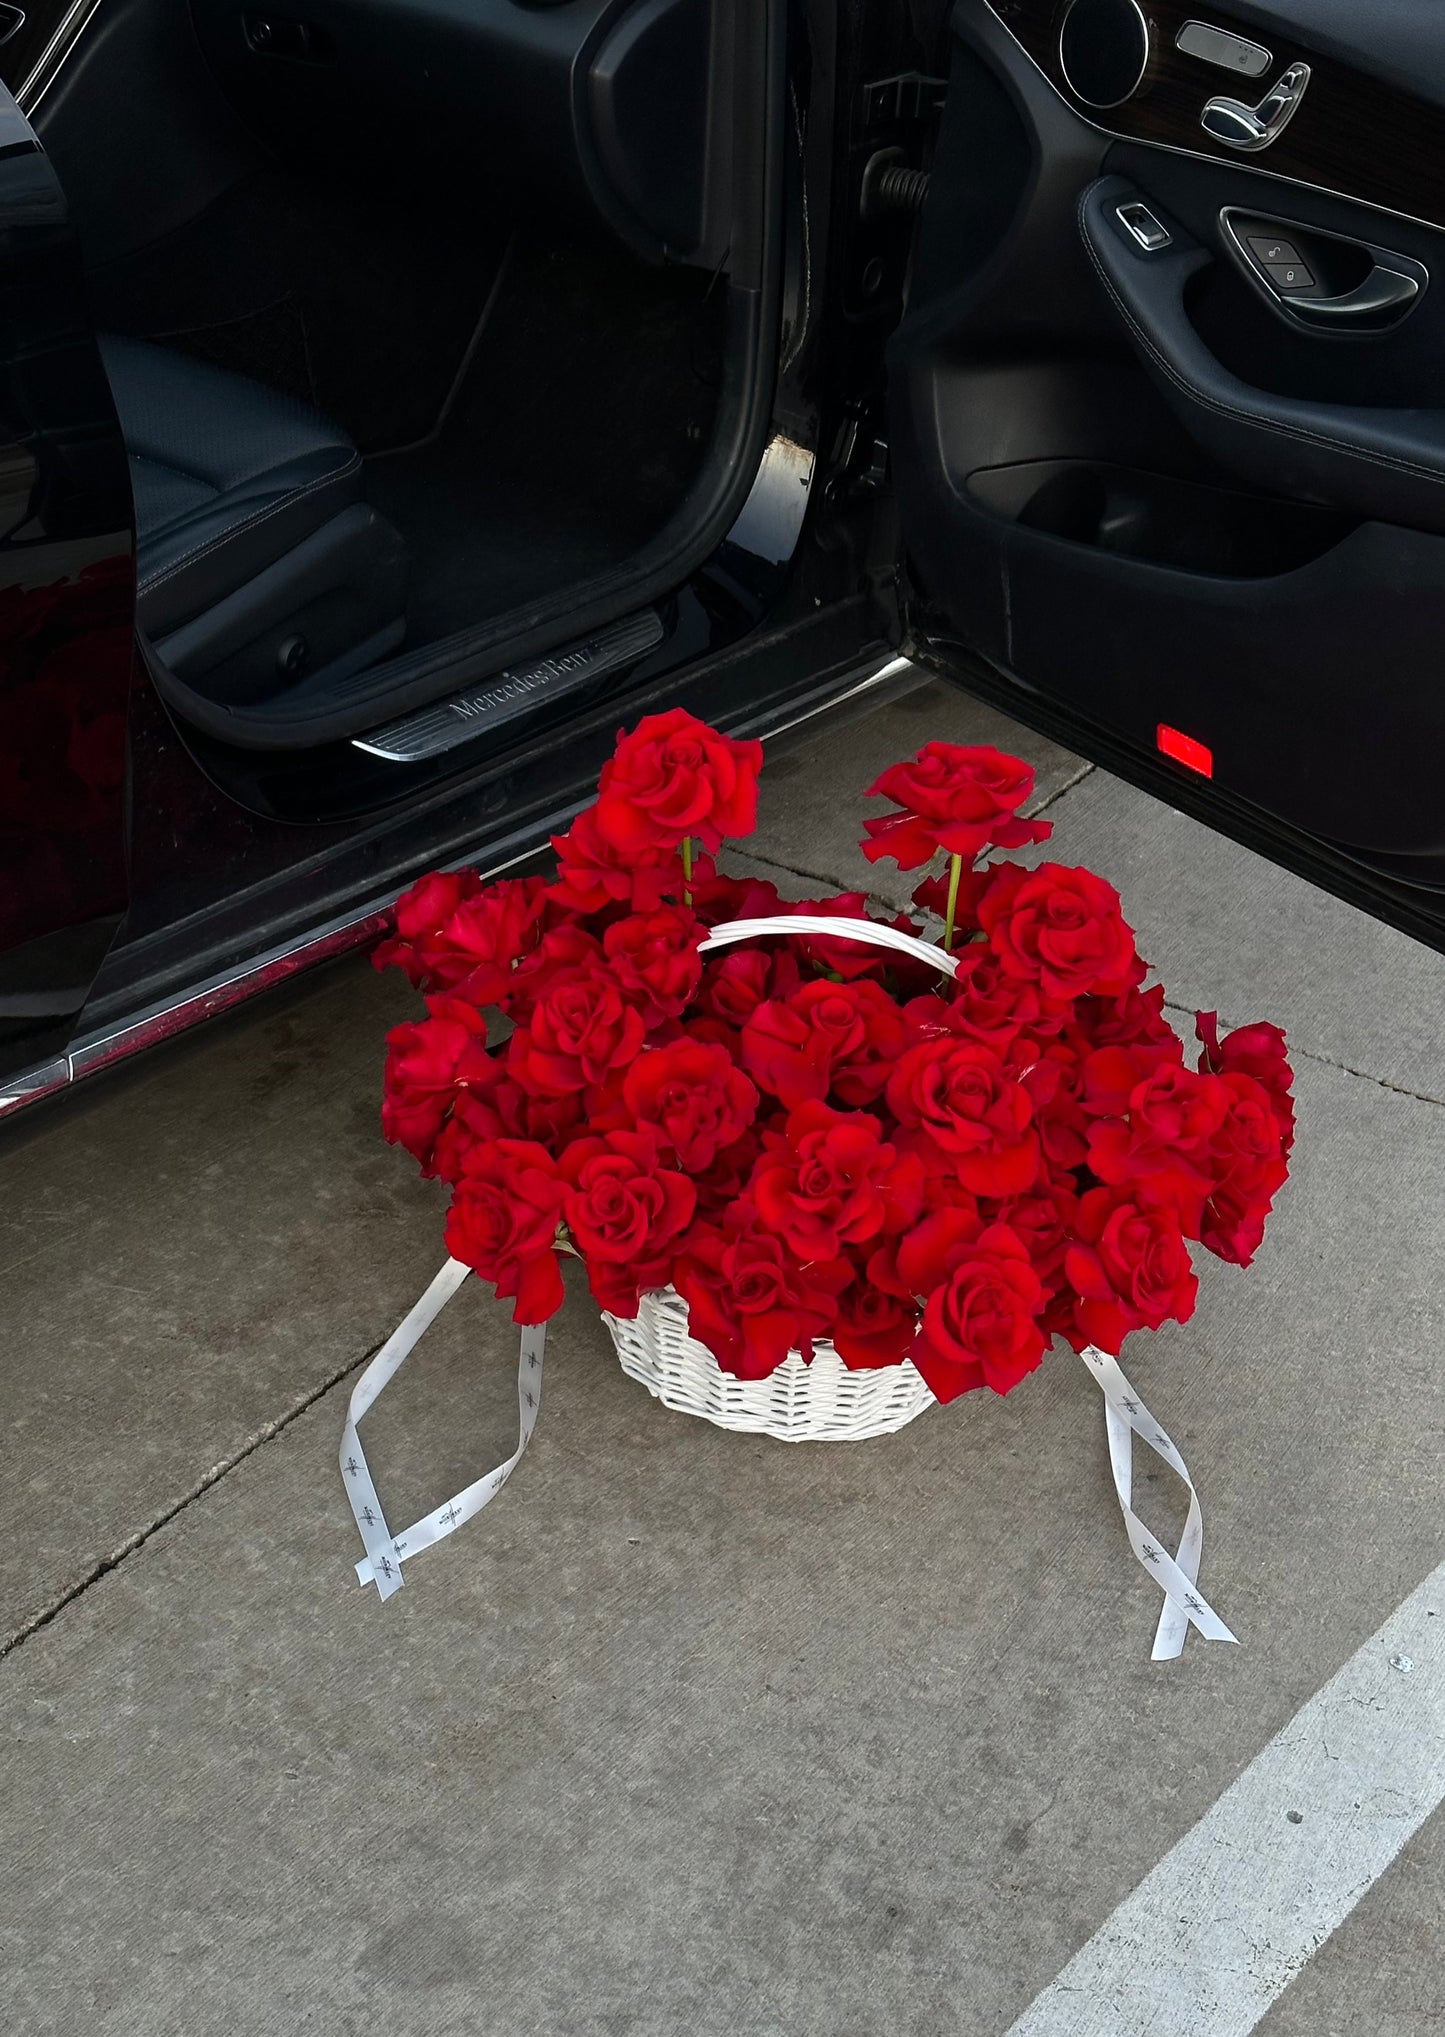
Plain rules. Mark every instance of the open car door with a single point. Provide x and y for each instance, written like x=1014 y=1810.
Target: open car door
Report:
x=67 y=621
x=1168 y=412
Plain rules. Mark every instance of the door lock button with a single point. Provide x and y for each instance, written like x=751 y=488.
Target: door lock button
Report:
x=1289 y=275
x=1267 y=249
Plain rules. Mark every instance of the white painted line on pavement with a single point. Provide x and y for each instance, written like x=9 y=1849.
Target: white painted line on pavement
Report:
x=1232 y=1913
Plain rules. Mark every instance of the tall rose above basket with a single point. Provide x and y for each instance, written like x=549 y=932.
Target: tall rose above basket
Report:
x=803 y=1147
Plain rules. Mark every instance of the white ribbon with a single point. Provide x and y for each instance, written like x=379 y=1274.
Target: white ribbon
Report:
x=1125 y=1416
x=385 y=1552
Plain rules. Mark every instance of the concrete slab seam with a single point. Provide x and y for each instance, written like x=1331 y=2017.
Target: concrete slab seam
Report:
x=1326 y=1061
x=107 y=1563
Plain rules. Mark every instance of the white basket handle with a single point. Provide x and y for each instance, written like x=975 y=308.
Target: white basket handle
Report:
x=819 y=923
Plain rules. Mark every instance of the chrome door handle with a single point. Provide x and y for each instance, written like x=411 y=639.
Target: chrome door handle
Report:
x=1255 y=127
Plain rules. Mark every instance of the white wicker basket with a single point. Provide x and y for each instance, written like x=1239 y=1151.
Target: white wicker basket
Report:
x=799 y=1403
x=821 y=1402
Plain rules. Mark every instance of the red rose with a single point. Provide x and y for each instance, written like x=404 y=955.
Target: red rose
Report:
x=1061 y=929
x=831 y=1180
x=932 y=896
x=501 y=1109
x=503 y=1223
x=1133 y=1019
x=980 y=1324
x=958 y=1094
x=625 y=1210
x=1130 y=1269
x=1247 y=1157
x=1173 y=1116
x=728 y=1176
x=736 y=982
x=838 y=1037
x=580 y=1028
x=749 y=1300
x=419 y=916
x=986 y=1004
x=592 y=873
x=691 y=1092
x=716 y=899
x=873 y=1328
x=429 y=1063
x=1257 y=1051
x=843 y=955
x=654 y=957
x=675 y=777
x=957 y=797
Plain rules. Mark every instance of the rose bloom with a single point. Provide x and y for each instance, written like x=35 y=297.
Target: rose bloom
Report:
x=694 y=1096
x=959 y=1096
x=872 y=1327
x=675 y=777
x=419 y=916
x=956 y=797
x=832 y=1180
x=980 y=1324
x=1258 y=1051
x=654 y=958
x=1129 y=1267
x=580 y=1028
x=749 y=1299
x=827 y=1037
x=592 y=873
x=1060 y=928
x=1248 y=1160
x=503 y=1224
x=625 y=1211
x=429 y=1063
x=737 y=981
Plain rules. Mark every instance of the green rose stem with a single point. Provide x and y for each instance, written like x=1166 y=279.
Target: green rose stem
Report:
x=955 y=872
x=687 y=869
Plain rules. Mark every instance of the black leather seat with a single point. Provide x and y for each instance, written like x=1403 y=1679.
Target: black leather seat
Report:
x=258 y=562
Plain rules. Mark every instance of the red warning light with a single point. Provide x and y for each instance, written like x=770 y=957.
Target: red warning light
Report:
x=1185 y=750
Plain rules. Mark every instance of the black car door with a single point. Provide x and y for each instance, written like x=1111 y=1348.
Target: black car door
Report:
x=67 y=616
x=1168 y=411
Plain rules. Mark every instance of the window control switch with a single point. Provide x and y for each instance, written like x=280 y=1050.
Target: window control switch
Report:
x=1141 y=225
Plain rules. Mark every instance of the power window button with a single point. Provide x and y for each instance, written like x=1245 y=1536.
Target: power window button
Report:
x=1289 y=275
x=1139 y=222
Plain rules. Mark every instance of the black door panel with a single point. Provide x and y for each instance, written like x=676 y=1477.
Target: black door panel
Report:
x=1180 y=520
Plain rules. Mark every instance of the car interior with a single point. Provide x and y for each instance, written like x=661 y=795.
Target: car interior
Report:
x=1167 y=413
x=426 y=324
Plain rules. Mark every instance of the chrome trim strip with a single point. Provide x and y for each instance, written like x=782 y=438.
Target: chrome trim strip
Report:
x=47 y=65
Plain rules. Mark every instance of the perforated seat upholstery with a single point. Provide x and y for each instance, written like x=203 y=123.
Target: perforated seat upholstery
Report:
x=260 y=568
x=228 y=475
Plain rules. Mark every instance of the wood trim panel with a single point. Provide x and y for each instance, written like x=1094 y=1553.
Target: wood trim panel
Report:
x=1351 y=134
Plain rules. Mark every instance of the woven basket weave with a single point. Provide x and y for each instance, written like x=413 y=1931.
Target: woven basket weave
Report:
x=821 y=1402
x=799 y=1403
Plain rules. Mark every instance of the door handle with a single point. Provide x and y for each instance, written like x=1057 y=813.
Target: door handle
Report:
x=1383 y=291
x=1255 y=127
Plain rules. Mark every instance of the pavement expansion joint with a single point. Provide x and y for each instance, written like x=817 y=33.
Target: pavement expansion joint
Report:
x=1300 y=1053
x=103 y=1565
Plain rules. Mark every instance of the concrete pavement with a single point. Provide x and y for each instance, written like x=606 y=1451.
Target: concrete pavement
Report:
x=689 y=1730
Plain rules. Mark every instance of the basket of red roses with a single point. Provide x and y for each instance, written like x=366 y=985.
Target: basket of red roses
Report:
x=822 y=1171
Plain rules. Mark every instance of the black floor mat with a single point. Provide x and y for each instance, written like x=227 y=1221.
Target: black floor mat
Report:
x=582 y=420
x=364 y=307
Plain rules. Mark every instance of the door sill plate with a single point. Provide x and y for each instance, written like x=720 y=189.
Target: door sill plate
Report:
x=480 y=710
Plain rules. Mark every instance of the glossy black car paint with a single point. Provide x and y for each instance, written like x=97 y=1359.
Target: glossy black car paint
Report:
x=243 y=863
x=67 y=584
